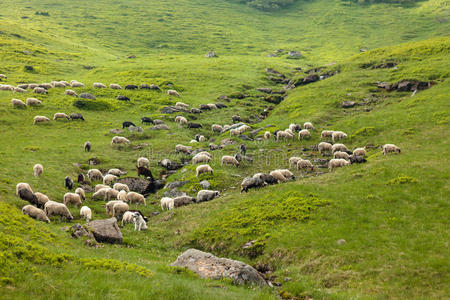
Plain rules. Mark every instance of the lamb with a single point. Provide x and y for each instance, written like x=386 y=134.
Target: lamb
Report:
x=116 y=172
x=234 y=131
x=207 y=195
x=27 y=195
x=213 y=147
x=71 y=93
x=293 y=161
x=167 y=203
x=99 y=85
x=229 y=160
x=119 y=209
x=23 y=185
x=339 y=147
x=133 y=197
x=109 y=206
x=33 y=102
x=278 y=175
x=115 y=86
x=308 y=125
x=287 y=174
x=183 y=200
x=35 y=213
x=122 y=195
x=143 y=162
x=75 y=83
x=181 y=120
x=81 y=193
x=216 y=128
x=336 y=163
x=72 y=198
x=38 y=169
x=251 y=182
x=87 y=146
x=326 y=134
x=95 y=174
x=39 y=90
x=18 y=103
x=184 y=149
x=200 y=158
x=53 y=208
x=127 y=217
x=390 y=148
x=203 y=169
x=267 y=135
x=121 y=187
x=68 y=183
x=304 y=133
x=145 y=172
x=338 y=135
x=119 y=140
x=85 y=212
x=324 y=146
x=340 y=154
x=304 y=164
x=283 y=135
x=173 y=93
x=41 y=199
x=359 y=152
x=76 y=116
x=139 y=222
x=57 y=116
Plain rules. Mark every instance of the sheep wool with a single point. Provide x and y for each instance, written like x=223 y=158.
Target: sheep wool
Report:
x=38 y=169
x=203 y=169
x=35 y=213
x=86 y=213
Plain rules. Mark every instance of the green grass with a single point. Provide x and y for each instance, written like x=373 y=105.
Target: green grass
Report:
x=392 y=211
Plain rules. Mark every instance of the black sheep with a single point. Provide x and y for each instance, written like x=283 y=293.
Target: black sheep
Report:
x=68 y=182
x=27 y=195
x=144 y=172
x=131 y=87
x=243 y=149
x=123 y=98
x=87 y=146
x=76 y=116
x=146 y=120
x=357 y=159
x=80 y=178
x=194 y=125
x=127 y=124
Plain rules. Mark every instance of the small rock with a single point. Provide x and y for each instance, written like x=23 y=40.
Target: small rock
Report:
x=176 y=184
x=348 y=104
x=341 y=242
x=116 y=131
x=155 y=213
x=78 y=231
x=264 y=90
x=205 y=184
x=173 y=193
x=294 y=54
x=211 y=54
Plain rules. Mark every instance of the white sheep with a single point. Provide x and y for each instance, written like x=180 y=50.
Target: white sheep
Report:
x=308 y=125
x=58 y=84
x=390 y=148
x=18 y=103
x=193 y=141
x=339 y=147
x=201 y=138
x=203 y=169
x=72 y=198
x=122 y=195
x=336 y=163
x=183 y=149
x=304 y=133
x=115 y=86
x=167 y=203
x=181 y=105
x=340 y=154
x=35 y=213
x=205 y=153
x=243 y=128
x=41 y=199
x=267 y=135
x=229 y=160
x=75 y=83
x=119 y=140
x=46 y=85
x=39 y=90
x=287 y=174
x=234 y=132
x=293 y=127
x=143 y=162
x=338 y=135
x=109 y=206
x=99 y=85
x=95 y=174
x=57 y=116
x=127 y=217
x=23 y=185
x=181 y=120
x=116 y=172
x=38 y=169
x=53 y=208
x=216 y=128
x=106 y=193
x=293 y=161
x=33 y=85
x=19 y=90
x=278 y=176
x=119 y=209
x=133 y=197
x=289 y=131
x=226 y=127
x=360 y=152
x=121 y=187
x=325 y=147
x=71 y=93
x=202 y=158
x=139 y=222
x=206 y=195
x=33 y=102
x=304 y=164
x=284 y=135
x=326 y=134
x=173 y=93
x=109 y=179
x=80 y=192
x=85 y=212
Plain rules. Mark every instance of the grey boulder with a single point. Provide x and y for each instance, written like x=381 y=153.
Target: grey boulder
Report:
x=106 y=231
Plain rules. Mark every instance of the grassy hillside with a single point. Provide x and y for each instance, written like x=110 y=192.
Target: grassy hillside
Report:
x=392 y=211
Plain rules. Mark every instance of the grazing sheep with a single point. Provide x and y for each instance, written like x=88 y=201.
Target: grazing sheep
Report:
x=193 y=141
x=38 y=169
x=32 y=85
x=57 y=116
x=357 y=159
x=119 y=140
x=200 y=158
x=121 y=187
x=234 y=131
x=81 y=178
x=201 y=138
x=243 y=149
x=252 y=182
x=207 y=195
x=109 y=206
x=133 y=197
x=339 y=147
x=3 y=76
x=80 y=192
x=324 y=146
x=216 y=128
x=40 y=119
x=46 y=86
x=99 y=85
x=278 y=176
x=122 y=195
x=229 y=160
x=338 y=135
x=18 y=103
x=181 y=105
x=340 y=154
x=308 y=125
x=146 y=120
x=181 y=120
x=127 y=124
x=203 y=169
x=293 y=161
x=86 y=213
x=336 y=163
x=109 y=179
x=243 y=128
x=115 y=86
x=289 y=131
x=236 y=118
x=116 y=172
x=72 y=198
x=204 y=153
x=6 y=87
x=119 y=209
x=304 y=164
x=326 y=134
x=267 y=178
x=58 y=84
x=183 y=200
x=71 y=93
x=33 y=102
x=27 y=195
x=87 y=147
x=76 y=116
x=143 y=162
x=167 y=203
x=35 y=213
x=68 y=183
x=41 y=199
x=194 y=125
x=127 y=217
x=267 y=135
x=304 y=133
x=287 y=174
x=158 y=122
x=39 y=90
x=75 y=83
x=95 y=174
x=23 y=185
x=284 y=135
x=173 y=93
x=359 y=152
x=107 y=194
x=213 y=147
x=53 y=208
x=183 y=149
x=139 y=222
x=19 y=90
x=98 y=187
x=144 y=172
x=390 y=148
